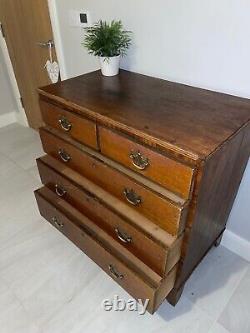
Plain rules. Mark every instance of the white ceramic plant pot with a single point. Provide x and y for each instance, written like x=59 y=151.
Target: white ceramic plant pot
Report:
x=110 y=66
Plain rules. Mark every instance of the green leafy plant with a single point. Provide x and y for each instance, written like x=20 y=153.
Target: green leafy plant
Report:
x=107 y=39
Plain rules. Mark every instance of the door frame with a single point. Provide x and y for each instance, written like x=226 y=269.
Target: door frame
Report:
x=20 y=115
x=57 y=38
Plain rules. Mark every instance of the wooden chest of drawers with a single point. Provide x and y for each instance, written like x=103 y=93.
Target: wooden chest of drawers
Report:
x=141 y=174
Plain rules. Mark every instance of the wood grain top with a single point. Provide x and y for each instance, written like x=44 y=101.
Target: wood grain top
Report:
x=184 y=120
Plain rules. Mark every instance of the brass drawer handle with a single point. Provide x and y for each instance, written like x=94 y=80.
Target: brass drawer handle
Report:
x=133 y=198
x=64 y=156
x=60 y=191
x=122 y=236
x=139 y=161
x=56 y=222
x=115 y=273
x=65 y=124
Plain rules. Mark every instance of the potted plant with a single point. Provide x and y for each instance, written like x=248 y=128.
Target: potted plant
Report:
x=108 y=41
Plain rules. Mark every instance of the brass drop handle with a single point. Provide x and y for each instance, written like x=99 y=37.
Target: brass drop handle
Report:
x=65 y=124
x=115 y=272
x=133 y=198
x=123 y=237
x=140 y=161
x=64 y=156
x=57 y=223
x=60 y=191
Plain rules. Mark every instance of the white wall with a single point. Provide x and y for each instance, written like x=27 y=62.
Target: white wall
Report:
x=7 y=101
x=201 y=43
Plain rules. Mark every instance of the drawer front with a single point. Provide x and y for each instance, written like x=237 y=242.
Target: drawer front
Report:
x=171 y=174
x=158 y=258
x=75 y=126
x=164 y=213
x=135 y=284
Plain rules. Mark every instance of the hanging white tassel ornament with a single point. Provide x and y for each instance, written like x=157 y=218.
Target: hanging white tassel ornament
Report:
x=52 y=67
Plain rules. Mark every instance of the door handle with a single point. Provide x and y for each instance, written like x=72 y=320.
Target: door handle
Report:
x=49 y=44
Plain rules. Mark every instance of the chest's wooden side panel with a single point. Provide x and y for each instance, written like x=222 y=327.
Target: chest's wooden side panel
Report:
x=212 y=202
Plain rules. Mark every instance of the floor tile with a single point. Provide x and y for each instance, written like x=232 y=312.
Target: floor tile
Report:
x=13 y=187
x=7 y=168
x=185 y=318
x=13 y=318
x=21 y=144
x=217 y=328
x=60 y=289
x=17 y=204
x=32 y=256
x=33 y=171
x=214 y=281
x=236 y=316
x=13 y=137
x=85 y=312
x=81 y=310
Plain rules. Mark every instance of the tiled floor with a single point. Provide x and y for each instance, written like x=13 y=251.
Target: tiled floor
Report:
x=48 y=286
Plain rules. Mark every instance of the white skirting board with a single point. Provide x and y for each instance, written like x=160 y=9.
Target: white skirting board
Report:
x=236 y=244
x=8 y=118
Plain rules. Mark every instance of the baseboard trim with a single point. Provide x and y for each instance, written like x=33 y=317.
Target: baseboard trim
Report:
x=236 y=244
x=8 y=118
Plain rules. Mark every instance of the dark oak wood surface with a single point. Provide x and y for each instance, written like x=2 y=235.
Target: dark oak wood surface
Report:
x=76 y=127
x=163 y=213
x=214 y=195
x=98 y=206
x=133 y=275
x=191 y=147
x=175 y=176
x=182 y=119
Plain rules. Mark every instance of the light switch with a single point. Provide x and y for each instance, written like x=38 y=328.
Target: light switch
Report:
x=80 y=18
x=84 y=18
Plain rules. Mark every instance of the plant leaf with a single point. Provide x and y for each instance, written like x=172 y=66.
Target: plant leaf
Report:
x=107 y=39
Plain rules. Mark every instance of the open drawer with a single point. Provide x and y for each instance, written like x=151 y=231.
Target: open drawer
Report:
x=128 y=271
x=152 y=245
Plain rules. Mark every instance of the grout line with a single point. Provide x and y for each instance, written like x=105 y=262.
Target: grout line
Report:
x=233 y=290
x=20 y=303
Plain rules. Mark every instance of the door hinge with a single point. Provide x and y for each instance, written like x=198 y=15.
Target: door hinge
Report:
x=2 y=30
x=22 y=103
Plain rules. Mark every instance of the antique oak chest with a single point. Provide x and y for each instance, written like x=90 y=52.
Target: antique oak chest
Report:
x=141 y=174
